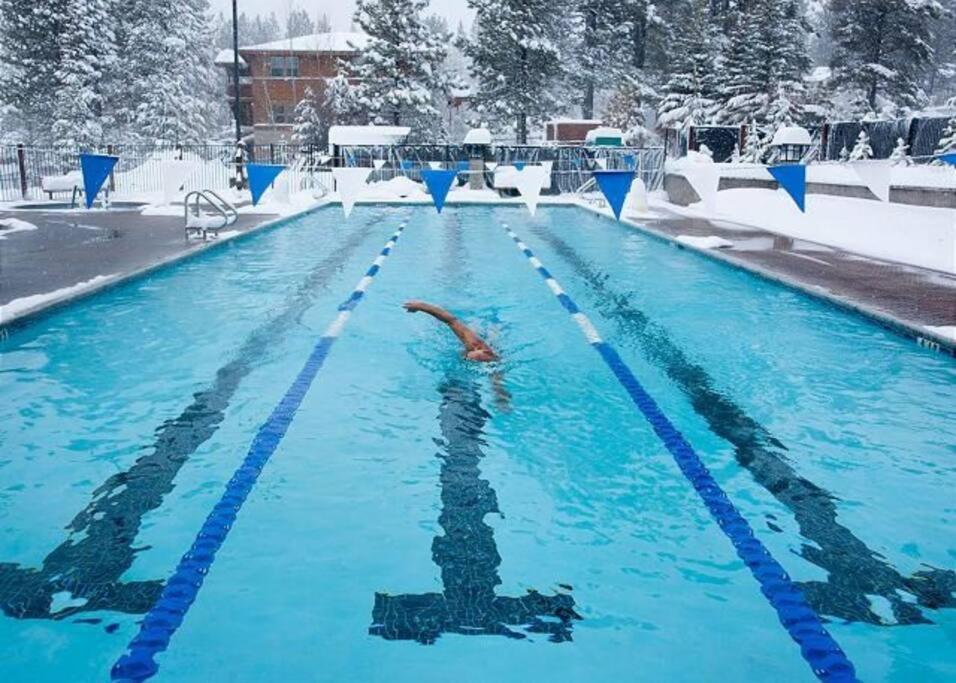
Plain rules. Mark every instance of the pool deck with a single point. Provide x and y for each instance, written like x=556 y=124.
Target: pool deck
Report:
x=70 y=254
x=905 y=298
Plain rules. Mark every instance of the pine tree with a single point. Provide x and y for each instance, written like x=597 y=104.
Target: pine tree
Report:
x=517 y=63
x=174 y=86
x=87 y=55
x=30 y=53
x=399 y=68
x=844 y=154
x=882 y=48
x=299 y=23
x=341 y=105
x=861 y=150
x=307 y=126
x=947 y=143
x=602 y=51
x=689 y=93
x=755 y=146
x=901 y=152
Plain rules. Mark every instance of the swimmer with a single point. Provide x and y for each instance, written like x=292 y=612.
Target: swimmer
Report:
x=475 y=347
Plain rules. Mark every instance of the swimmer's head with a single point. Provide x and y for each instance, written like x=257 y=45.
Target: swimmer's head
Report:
x=482 y=355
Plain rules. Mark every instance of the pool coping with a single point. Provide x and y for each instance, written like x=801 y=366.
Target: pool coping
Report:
x=923 y=337
x=906 y=328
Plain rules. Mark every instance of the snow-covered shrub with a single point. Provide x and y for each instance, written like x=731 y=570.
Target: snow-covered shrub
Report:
x=861 y=150
x=901 y=153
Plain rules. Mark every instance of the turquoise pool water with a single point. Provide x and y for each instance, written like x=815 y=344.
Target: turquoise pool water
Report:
x=414 y=524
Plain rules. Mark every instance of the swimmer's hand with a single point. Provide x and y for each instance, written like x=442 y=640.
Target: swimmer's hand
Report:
x=414 y=306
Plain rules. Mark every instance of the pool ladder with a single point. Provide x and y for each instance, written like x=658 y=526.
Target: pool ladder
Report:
x=199 y=222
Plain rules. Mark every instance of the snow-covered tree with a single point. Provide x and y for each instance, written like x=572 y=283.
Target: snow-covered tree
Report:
x=755 y=146
x=517 y=62
x=947 y=143
x=861 y=150
x=341 y=105
x=87 y=56
x=307 y=125
x=882 y=48
x=299 y=23
x=601 y=52
x=901 y=153
x=688 y=96
x=399 y=68
x=167 y=70
x=30 y=54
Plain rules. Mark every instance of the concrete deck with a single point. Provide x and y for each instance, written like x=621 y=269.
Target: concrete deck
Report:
x=907 y=298
x=71 y=248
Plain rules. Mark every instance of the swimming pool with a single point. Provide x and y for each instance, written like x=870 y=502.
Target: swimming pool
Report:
x=410 y=523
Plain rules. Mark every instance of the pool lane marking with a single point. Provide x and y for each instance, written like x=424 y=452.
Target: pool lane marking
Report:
x=820 y=650
x=165 y=617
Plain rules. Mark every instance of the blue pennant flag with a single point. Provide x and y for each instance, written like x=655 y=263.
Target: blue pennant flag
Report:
x=96 y=169
x=793 y=179
x=615 y=185
x=407 y=164
x=463 y=166
x=519 y=165
x=260 y=178
x=438 y=183
x=630 y=161
x=948 y=158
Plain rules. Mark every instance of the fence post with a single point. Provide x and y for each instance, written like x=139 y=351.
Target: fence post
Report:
x=825 y=142
x=22 y=164
x=272 y=153
x=109 y=150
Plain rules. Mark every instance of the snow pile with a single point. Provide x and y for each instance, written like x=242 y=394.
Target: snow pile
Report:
x=8 y=226
x=709 y=242
x=945 y=331
x=399 y=187
x=61 y=183
x=920 y=236
x=26 y=304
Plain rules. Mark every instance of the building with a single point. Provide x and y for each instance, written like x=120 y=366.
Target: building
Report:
x=273 y=78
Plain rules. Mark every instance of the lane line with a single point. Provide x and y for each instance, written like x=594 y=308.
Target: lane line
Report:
x=165 y=617
x=820 y=650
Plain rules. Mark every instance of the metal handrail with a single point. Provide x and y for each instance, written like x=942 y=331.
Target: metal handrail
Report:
x=225 y=206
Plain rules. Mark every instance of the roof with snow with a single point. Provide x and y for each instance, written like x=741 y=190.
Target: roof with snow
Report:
x=335 y=41
x=478 y=136
x=225 y=58
x=791 y=135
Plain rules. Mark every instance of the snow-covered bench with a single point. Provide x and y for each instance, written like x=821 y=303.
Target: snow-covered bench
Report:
x=62 y=183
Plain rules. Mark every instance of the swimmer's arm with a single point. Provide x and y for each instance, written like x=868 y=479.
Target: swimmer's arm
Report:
x=467 y=337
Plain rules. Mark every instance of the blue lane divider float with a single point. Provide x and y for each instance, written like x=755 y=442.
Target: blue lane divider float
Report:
x=161 y=622
x=818 y=647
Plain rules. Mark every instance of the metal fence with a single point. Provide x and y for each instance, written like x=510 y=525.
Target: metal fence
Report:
x=140 y=168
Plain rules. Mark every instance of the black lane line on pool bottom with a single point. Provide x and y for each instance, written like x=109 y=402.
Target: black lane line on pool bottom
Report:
x=820 y=650
x=853 y=570
x=88 y=565
x=180 y=591
x=466 y=552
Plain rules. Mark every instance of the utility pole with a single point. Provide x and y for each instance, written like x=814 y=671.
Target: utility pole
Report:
x=235 y=69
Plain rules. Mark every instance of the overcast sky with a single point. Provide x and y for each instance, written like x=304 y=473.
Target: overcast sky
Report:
x=339 y=11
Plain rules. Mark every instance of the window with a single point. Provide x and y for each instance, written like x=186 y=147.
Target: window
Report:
x=281 y=113
x=284 y=67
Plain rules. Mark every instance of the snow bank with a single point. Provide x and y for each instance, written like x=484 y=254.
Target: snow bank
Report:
x=399 y=187
x=709 y=242
x=26 y=304
x=946 y=331
x=8 y=226
x=920 y=236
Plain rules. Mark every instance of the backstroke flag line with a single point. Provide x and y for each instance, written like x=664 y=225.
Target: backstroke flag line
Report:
x=615 y=185
x=529 y=183
x=438 y=183
x=260 y=178
x=96 y=169
x=349 y=182
x=875 y=175
x=793 y=179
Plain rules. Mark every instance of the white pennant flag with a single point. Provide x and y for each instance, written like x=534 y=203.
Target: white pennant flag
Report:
x=378 y=163
x=175 y=173
x=876 y=176
x=435 y=165
x=602 y=163
x=324 y=158
x=491 y=165
x=349 y=182
x=705 y=179
x=529 y=183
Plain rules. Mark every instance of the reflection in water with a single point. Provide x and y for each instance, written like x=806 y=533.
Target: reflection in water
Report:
x=89 y=563
x=854 y=571
x=466 y=553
